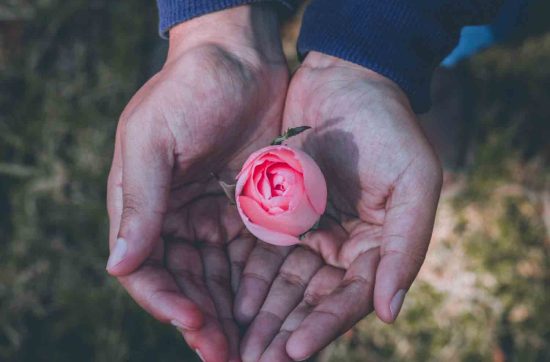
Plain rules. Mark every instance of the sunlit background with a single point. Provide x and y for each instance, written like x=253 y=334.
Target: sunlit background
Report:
x=67 y=68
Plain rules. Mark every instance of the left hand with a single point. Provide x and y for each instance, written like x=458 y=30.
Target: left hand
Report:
x=384 y=182
x=176 y=242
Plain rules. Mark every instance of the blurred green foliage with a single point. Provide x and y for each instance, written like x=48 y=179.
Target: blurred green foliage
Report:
x=63 y=85
x=66 y=71
x=483 y=293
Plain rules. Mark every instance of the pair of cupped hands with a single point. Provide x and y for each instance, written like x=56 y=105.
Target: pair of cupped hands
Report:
x=179 y=247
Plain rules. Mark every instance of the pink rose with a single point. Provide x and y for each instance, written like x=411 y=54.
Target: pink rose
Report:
x=281 y=193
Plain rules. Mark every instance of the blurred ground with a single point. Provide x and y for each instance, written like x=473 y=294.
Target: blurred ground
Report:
x=66 y=71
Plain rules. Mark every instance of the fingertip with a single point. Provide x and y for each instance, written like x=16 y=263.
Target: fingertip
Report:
x=116 y=257
x=383 y=293
x=194 y=317
x=194 y=321
x=388 y=311
x=208 y=342
x=259 y=335
x=243 y=315
x=126 y=257
x=298 y=344
x=394 y=276
x=187 y=316
x=174 y=308
x=248 y=301
x=383 y=313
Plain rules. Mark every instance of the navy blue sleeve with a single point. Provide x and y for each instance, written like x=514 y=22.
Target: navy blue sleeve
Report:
x=404 y=40
x=172 y=12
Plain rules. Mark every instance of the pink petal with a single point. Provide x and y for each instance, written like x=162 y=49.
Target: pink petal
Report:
x=264 y=234
x=249 y=161
x=287 y=155
x=314 y=182
x=264 y=185
x=295 y=222
x=283 y=174
x=250 y=189
x=277 y=203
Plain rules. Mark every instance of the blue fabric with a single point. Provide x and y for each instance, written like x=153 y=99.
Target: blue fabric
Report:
x=173 y=12
x=474 y=39
x=403 y=40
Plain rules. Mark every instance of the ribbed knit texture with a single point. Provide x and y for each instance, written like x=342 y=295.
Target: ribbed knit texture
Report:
x=403 y=40
x=173 y=12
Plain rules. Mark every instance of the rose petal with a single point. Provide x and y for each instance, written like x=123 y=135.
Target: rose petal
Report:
x=314 y=182
x=277 y=203
x=264 y=186
x=283 y=174
x=244 y=177
x=251 y=190
x=275 y=210
x=288 y=215
x=294 y=222
x=252 y=180
x=287 y=155
x=249 y=161
x=269 y=236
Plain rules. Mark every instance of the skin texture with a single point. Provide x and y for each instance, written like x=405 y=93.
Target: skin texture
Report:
x=181 y=250
x=383 y=181
x=280 y=194
x=218 y=98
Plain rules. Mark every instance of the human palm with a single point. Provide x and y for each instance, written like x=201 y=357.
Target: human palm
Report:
x=383 y=181
x=174 y=236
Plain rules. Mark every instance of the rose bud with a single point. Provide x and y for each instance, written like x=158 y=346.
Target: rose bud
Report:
x=280 y=193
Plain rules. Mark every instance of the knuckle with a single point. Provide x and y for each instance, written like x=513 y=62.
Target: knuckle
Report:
x=312 y=299
x=292 y=279
x=329 y=313
x=255 y=276
x=359 y=281
x=131 y=205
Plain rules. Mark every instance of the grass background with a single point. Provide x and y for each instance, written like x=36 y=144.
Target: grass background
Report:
x=67 y=68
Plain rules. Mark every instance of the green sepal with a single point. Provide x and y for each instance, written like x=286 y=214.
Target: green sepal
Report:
x=313 y=228
x=228 y=189
x=291 y=132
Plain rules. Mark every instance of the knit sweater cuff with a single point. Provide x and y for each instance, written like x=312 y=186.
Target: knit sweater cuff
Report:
x=173 y=12
x=402 y=40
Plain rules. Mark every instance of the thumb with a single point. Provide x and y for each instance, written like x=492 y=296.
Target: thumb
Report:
x=147 y=162
x=406 y=236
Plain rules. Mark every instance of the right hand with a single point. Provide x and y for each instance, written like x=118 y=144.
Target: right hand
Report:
x=383 y=183
x=174 y=237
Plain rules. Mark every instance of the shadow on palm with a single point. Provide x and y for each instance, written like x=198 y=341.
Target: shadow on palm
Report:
x=383 y=184
x=309 y=292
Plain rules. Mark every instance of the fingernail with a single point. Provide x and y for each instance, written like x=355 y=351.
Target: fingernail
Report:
x=199 y=354
x=397 y=302
x=118 y=252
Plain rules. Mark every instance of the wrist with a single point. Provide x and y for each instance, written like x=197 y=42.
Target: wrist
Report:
x=317 y=60
x=248 y=30
x=352 y=71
